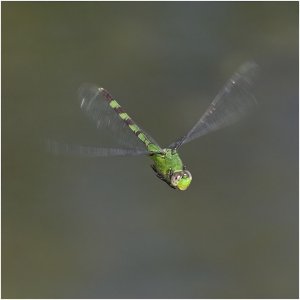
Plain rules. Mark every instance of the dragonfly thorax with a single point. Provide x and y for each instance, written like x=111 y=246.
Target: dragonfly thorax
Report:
x=169 y=167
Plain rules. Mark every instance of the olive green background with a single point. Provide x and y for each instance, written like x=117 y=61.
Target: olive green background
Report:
x=75 y=227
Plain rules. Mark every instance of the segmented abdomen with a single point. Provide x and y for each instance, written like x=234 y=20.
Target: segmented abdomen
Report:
x=127 y=120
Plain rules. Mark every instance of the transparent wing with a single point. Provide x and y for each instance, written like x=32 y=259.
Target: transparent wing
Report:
x=231 y=104
x=94 y=102
x=58 y=148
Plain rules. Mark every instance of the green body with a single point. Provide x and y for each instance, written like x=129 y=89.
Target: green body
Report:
x=168 y=167
x=233 y=102
x=167 y=163
x=168 y=160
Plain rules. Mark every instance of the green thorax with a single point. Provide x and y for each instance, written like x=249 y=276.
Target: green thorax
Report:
x=169 y=168
x=167 y=162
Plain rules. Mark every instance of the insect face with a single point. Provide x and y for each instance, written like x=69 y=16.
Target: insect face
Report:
x=181 y=179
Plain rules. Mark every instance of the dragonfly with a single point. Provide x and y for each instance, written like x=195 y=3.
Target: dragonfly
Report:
x=232 y=103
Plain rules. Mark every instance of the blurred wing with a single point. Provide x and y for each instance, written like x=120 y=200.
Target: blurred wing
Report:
x=58 y=148
x=95 y=103
x=233 y=102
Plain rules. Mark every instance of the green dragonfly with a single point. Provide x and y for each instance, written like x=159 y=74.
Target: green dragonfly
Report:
x=233 y=101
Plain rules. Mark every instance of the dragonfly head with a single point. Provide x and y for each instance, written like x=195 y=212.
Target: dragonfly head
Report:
x=181 y=179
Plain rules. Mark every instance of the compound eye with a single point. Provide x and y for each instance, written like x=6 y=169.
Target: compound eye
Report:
x=178 y=177
x=187 y=174
x=175 y=178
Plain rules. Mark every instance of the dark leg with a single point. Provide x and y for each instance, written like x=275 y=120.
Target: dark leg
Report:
x=161 y=177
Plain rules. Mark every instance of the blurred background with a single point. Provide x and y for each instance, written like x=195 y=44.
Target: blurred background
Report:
x=77 y=227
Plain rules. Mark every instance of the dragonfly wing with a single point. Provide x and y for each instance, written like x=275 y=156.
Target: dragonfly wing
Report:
x=107 y=114
x=58 y=148
x=233 y=101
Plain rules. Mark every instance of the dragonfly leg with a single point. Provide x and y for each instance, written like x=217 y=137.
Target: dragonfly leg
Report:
x=154 y=168
x=170 y=173
x=157 y=173
x=161 y=177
